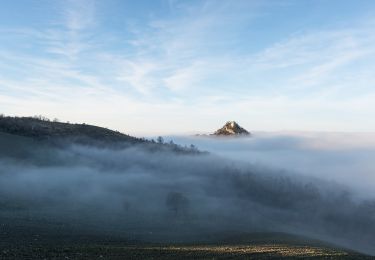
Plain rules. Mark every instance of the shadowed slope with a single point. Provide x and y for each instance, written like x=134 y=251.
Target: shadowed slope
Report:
x=43 y=128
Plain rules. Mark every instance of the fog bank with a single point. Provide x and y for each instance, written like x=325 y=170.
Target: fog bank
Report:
x=345 y=158
x=162 y=196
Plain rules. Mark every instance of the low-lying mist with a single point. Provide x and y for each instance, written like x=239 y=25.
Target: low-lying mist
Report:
x=162 y=196
x=344 y=158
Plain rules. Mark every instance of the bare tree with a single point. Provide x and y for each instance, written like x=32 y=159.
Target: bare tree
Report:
x=177 y=203
x=160 y=140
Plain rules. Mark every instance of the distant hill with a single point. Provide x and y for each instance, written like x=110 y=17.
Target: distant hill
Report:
x=41 y=128
x=231 y=128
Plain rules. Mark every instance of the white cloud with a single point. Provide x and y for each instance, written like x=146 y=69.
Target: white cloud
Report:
x=79 y=14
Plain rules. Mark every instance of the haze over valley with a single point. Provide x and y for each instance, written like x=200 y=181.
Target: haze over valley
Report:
x=159 y=192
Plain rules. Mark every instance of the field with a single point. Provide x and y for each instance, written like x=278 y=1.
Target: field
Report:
x=21 y=241
x=118 y=251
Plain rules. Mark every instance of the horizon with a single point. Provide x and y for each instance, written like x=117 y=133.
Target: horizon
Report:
x=197 y=133
x=187 y=67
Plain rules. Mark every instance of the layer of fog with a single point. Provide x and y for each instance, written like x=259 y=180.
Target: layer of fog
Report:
x=345 y=158
x=162 y=196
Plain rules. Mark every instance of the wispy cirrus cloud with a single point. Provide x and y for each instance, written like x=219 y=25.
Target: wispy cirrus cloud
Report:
x=79 y=14
x=76 y=18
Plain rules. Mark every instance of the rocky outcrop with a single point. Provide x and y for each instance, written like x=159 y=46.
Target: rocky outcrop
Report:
x=231 y=128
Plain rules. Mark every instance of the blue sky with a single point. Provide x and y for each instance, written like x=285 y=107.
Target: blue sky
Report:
x=174 y=67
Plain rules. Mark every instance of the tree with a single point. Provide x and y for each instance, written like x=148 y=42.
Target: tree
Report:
x=160 y=140
x=177 y=203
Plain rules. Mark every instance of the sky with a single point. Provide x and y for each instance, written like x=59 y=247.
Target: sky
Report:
x=182 y=67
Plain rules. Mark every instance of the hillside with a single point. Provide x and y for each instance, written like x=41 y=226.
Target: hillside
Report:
x=42 y=128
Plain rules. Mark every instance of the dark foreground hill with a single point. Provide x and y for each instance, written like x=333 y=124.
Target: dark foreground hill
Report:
x=28 y=243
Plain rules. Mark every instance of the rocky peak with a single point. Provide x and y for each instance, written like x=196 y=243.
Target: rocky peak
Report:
x=231 y=128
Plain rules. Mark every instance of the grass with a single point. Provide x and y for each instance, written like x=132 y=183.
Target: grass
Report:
x=265 y=251
x=21 y=239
